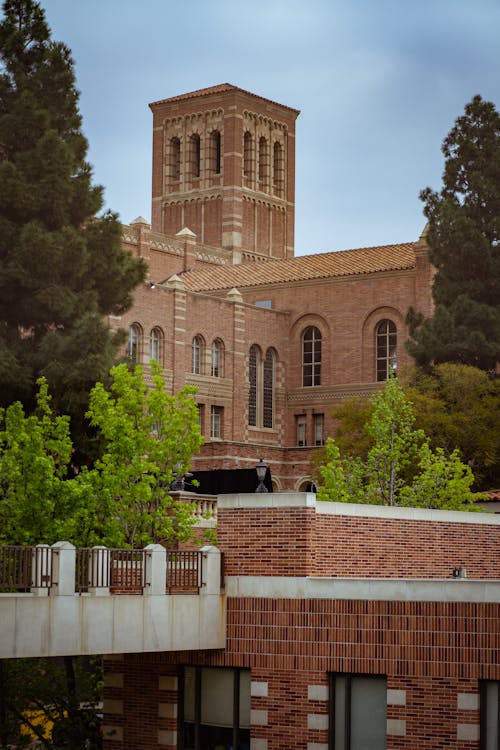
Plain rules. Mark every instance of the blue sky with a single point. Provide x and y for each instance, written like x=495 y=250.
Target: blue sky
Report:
x=379 y=84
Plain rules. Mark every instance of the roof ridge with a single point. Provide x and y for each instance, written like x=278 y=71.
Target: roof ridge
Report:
x=218 y=88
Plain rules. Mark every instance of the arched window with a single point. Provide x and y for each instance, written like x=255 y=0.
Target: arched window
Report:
x=278 y=168
x=195 y=155
x=386 y=339
x=197 y=350
x=175 y=159
x=156 y=345
x=215 y=152
x=268 y=390
x=247 y=155
x=134 y=343
x=216 y=361
x=254 y=361
x=263 y=164
x=311 y=356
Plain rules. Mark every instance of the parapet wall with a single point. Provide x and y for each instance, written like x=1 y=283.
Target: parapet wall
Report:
x=293 y=535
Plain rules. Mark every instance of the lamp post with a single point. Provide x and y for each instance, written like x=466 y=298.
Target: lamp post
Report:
x=261 y=470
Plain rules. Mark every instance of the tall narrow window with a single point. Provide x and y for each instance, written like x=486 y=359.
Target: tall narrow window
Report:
x=134 y=343
x=175 y=159
x=490 y=714
x=197 y=350
x=301 y=428
x=247 y=155
x=386 y=349
x=215 y=709
x=254 y=359
x=201 y=416
x=263 y=164
x=216 y=413
x=156 y=345
x=318 y=428
x=195 y=155
x=278 y=168
x=268 y=389
x=215 y=152
x=311 y=356
x=358 y=705
x=216 y=359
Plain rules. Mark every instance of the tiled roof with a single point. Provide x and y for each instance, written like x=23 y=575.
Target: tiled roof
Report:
x=320 y=266
x=219 y=89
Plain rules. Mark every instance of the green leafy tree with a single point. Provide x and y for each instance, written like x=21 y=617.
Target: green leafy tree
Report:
x=464 y=246
x=62 y=268
x=400 y=467
x=150 y=437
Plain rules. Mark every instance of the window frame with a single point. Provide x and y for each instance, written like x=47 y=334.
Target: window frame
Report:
x=217 y=358
x=216 y=422
x=156 y=331
x=134 y=343
x=311 y=370
x=484 y=740
x=348 y=708
x=197 y=354
x=386 y=350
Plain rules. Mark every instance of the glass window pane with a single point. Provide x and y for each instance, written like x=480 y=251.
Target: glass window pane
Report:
x=217 y=697
x=244 y=699
x=189 y=693
x=340 y=709
x=368 y=713
x=490 y=742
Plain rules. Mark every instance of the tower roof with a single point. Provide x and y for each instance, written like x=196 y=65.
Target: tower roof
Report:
x=218 y=89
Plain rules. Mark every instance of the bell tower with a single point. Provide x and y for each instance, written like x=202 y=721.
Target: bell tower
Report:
x=224 y=167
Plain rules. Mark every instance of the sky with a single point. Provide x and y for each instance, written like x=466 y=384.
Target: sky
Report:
x=379 y=84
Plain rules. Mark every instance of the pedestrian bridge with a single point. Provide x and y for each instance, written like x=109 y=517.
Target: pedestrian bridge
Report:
x=60 y=600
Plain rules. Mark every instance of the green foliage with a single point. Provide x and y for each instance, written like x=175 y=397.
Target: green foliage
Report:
x=62 y=269
x=400 y=467
x=464 y=241
x=149 y=437
x=458 y=407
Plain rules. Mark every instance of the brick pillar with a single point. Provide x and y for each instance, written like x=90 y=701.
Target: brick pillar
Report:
x=239 y=418
x=179 y=333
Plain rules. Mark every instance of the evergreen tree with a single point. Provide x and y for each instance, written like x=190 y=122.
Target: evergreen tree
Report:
x=62 y=269
x=464 y=241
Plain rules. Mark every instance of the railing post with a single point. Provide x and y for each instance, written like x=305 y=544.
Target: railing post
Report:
x=210 y=570
x=99 y=571
x=156 y=570
x=41 y=570
x=63 y=569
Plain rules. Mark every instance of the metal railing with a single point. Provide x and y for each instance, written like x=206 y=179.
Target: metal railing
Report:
x=123 y=571
x=24 y=568
x=184 y=572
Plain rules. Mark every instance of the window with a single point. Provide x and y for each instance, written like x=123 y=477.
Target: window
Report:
x=268 y=390
x=261 y=385
x=197 y=351
x=216 y=359
x=318 y=427
x=311 y=356
x=386 y=348
x=301 y=424
x=175 y=159
x=156 y=345
x=215 y=152
x=215 y=710
x=263 y=164
x=247 y=155
x=195 y=155
x=201 y=416
x=490 y=715
x=358 y=711
x=216 y=413
x=254 y=361
x=278 y=168
x=134 y=343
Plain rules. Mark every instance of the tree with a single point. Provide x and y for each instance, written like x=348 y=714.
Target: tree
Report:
x=62 y=269
x=149 y=439
x=400 y=468
x=464 y=246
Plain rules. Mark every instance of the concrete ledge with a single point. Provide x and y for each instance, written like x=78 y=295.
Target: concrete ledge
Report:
x=370 y=589
x=271 y=500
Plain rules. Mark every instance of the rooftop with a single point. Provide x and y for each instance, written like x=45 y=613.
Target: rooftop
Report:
x=320 y=266
x=219 y=89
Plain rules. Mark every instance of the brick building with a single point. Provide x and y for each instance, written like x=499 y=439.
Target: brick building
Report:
x=349 y=627
x=270 y=340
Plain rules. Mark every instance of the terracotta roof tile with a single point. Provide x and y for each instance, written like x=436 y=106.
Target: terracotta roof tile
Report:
x=220 y=88
x=320 y=266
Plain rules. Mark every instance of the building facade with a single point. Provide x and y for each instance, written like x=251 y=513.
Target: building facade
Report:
x=270 y=340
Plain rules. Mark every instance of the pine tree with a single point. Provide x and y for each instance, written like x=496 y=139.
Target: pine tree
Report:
x=464 y=241
x=62 y=268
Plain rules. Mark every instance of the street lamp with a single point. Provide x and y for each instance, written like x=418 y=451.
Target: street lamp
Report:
x=261 y=470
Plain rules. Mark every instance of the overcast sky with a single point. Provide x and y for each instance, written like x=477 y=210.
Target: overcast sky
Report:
x=379 y=84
